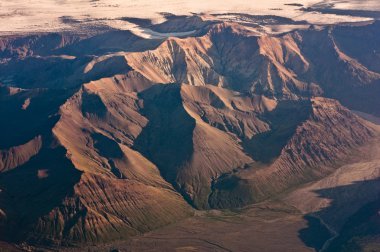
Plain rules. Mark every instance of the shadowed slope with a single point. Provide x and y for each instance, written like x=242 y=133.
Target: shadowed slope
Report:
x=361 y=232
x=120 y=191
x=337 y=213
x=42 y=208
x=39 y=115
x=329 y=136
x=284 y=120
x=167 y=138
x=341 y=77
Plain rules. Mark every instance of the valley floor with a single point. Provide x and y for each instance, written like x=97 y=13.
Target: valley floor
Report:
x=266 y=227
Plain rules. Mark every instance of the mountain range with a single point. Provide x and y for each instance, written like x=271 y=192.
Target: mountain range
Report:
x=212 y=135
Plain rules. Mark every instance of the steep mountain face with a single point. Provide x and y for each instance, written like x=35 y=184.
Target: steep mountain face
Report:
x=202 y=151
x=230 y=56
x=342 y=75
x=360 y=43
x=110 y=135
x=309 y=153
x=102 y=192
x=298 y=64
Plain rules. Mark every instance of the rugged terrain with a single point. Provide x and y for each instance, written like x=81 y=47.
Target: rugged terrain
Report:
x=108 y=135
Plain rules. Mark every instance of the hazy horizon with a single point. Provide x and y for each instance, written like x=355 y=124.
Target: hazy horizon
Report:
x=46 y=15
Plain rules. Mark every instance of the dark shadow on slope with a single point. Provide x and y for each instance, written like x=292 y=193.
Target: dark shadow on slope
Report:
x=232 y=54
x=316 y=234
x=92 y=105
x=59 y=73
x=110 y=42
x=106 y=146
x=345 y=202
x=52 y=72
x=366 y=98
x=361 y=43
x=346 y=81
x=38 y=44
x=231 y=191
x=174 y=23
x=30 y=192
x=18 y=125
x=27 y=69
x=361 y=231
x=167 y=139
x=284 y=120
x=108 y=68
x=109 y=149
x=142 y=22
x=179 y=66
